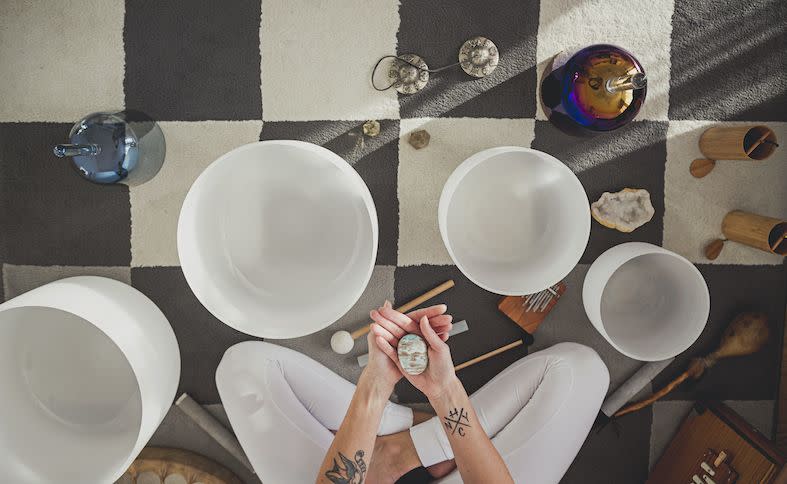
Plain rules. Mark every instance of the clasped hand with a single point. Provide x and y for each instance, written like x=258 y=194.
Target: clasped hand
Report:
x=389 y=326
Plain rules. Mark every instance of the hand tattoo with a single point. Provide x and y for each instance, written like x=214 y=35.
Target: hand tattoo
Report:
x=350 y=472
x=456 y=421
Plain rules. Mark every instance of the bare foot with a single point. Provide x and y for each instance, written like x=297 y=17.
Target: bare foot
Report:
x=419 y=416
x=394 y=456
x=441 y=469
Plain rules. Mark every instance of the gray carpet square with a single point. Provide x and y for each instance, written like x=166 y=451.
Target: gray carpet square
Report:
x=49 y=215
x=198 y=60
x=633 y=156
x=618 y=454
x=734 y=289
x=667 y=417
x=318 y=345
x=375 y=159
x=436 y=32
x=728 y=60
x=757 y=413
x=19 y=279
x=489 y=329
x=569 y=322
x=202 y=338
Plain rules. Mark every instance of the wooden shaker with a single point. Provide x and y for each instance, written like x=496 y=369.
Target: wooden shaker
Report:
x=733 y=143
x=764 y=233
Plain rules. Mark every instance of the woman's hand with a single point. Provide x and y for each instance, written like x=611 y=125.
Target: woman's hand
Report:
x=439 y=373
x=380 y=367
x=353 y=446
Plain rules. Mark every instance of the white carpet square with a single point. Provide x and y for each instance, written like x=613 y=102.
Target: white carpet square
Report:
x=155 y=205
x=695 y=207
x=643 y=27
x=422 y=174
x=318 y=55
x=60 y=60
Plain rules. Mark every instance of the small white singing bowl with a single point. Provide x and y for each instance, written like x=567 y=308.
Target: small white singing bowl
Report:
x=514 y=220
x=278 y=239
x=649 y=303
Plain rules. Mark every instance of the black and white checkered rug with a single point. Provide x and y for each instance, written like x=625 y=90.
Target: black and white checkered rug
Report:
x=221 y=74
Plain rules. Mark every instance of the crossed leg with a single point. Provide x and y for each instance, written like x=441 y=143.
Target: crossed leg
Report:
x=284 y=406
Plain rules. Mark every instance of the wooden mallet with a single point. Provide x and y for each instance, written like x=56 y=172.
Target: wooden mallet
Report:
x=342 y=341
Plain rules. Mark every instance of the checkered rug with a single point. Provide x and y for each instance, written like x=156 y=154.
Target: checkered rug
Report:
x=221 y=74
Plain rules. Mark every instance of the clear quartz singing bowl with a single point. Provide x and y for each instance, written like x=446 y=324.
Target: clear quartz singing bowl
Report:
x=514 y=220
x=278 y=239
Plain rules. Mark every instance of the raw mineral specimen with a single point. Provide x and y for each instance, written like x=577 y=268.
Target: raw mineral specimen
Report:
x=419 y=139
x=371 y=128
x=625 y=210
x=412 y=354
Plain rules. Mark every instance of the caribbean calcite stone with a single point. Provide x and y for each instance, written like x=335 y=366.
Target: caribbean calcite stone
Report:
x=412 y=354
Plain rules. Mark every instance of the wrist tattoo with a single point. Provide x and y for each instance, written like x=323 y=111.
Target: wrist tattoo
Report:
x=457 y=421
x=350 y=472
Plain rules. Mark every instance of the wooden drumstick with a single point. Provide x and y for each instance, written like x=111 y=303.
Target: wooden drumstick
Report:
x=486 y=356
x=409 y=305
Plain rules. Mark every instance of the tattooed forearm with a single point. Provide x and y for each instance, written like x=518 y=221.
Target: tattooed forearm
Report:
x=457 y=421
x=349 y=472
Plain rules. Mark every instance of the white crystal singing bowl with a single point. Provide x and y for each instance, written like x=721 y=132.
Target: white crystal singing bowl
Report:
x=514 y=220
x=649 y=303
x=278 y=239
x=88 y=369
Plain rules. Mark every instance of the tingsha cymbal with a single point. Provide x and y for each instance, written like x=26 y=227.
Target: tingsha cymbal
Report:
x=405 y=76
x=479 y=57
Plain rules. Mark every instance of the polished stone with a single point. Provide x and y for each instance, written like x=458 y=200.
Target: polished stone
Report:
x=413 y=354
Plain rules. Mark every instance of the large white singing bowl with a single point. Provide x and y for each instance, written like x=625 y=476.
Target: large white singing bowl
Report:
x=649 y=303
x=278 y=239
x=88 y=369
x=514 y=220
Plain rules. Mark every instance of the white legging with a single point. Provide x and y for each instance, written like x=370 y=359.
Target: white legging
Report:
x=283 y=406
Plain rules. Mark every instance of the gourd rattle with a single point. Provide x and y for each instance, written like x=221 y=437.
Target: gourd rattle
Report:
x=747 y=333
